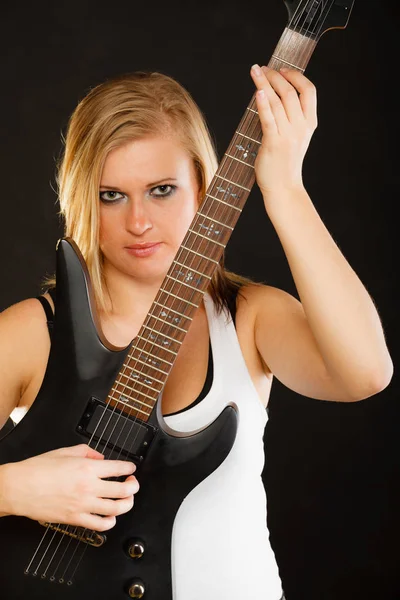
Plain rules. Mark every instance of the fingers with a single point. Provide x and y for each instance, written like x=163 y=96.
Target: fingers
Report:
x=271 y=112
x=307 y=93
x=112 y=508
x=96 y=522
x=292 y=97
x=116 y=489
x=80 y=450
x=114 y=468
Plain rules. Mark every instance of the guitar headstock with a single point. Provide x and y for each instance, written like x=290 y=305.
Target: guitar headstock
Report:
x=313 y=18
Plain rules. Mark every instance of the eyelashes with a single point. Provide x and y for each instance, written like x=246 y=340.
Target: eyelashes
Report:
x=114 y=196
x=111 y=193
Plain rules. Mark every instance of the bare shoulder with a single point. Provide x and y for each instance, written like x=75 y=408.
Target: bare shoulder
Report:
x=254 y=298
x=24 y=340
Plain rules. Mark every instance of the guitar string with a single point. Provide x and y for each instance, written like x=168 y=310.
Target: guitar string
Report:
x=161 y=331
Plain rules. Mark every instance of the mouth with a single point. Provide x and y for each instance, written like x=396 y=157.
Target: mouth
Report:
x=143 y=245
x=141 y=250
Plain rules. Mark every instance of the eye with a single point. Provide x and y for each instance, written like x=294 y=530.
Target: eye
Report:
x=164 y=190
x=110 y=196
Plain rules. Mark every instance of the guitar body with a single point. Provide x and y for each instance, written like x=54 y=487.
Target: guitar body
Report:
x=70 y=405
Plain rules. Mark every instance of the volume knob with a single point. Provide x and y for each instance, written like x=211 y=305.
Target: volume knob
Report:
x=135 y=548
x=136 y=589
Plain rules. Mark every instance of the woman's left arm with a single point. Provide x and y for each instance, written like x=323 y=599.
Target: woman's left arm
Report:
x=337 y=320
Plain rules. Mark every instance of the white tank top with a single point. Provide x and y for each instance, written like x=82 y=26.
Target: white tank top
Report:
x=220 y=540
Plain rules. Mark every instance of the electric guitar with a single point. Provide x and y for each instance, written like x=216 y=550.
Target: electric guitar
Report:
x=109 y=398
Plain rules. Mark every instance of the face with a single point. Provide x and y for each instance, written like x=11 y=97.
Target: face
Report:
x=148 y=196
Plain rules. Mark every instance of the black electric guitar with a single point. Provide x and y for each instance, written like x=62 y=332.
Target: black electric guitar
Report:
x=108 y=397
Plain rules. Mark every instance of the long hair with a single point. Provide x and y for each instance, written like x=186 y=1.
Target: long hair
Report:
x=121 y=110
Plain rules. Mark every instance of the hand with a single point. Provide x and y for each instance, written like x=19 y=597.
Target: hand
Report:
x=288 y=119
x=67 y=486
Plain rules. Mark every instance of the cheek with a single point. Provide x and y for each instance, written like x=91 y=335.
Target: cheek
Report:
x=187 y=212
x=106 y=228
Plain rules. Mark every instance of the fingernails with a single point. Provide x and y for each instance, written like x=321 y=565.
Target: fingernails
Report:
x=256 y=70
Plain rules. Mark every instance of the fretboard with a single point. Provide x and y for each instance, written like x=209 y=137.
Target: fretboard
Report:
x=153 y=352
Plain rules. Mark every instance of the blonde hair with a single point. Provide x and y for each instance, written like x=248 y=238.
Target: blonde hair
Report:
x=120 y=110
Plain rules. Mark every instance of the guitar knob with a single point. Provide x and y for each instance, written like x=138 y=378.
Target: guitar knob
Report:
x=135 y=548
x=136 y=589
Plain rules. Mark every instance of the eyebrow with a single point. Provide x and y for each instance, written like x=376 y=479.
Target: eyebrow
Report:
x=116 y=189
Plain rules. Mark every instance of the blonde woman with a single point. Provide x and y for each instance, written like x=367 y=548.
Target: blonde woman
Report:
x=138 y=160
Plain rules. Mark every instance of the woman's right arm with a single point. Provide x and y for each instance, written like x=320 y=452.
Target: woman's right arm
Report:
x=65 y=485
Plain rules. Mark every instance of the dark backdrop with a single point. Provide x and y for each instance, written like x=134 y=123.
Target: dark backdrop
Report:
x=332 y=469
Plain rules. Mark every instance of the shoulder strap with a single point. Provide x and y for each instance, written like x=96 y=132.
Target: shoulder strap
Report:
x=52 y=294
x=49 y=313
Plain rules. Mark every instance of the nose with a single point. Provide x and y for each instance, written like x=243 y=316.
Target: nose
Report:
x=137 y=218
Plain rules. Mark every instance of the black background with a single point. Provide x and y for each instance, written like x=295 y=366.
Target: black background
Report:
x=332 y=470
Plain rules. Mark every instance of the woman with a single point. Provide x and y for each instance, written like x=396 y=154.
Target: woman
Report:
x=138 y=160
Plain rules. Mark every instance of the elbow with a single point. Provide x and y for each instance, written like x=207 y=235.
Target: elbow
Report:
x=378 y=382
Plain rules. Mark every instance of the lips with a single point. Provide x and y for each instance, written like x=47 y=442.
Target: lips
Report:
x=142 y=246
x=143 y=250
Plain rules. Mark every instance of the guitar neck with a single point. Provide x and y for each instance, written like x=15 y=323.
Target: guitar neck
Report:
x=154 y=350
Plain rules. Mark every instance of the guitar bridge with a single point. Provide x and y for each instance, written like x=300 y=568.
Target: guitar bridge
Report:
x=92 y=538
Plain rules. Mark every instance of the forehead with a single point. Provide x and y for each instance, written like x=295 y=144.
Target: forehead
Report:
x=148 y=159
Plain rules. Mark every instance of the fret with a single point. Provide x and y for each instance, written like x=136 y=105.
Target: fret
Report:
x=287 y=62
x=133 y=390
x=183 y=283
x=214 y=221
x=154 y=378
x=157 y=345
x=250 y=125
x=241 y=161
x=138 y=383
x=223 y=202
x=252 y=110
x=232 y=182
x=293 y=47
x=198 y=273
x=128 y=398
x=232 y=172
x=202 y=256
x=151 y=356
x=162 y=334
x=169 y=324
x=146 y=365
x=206 y=238
x=134 y=407
x=179 y=298
x=174 y=311
x=247 y=137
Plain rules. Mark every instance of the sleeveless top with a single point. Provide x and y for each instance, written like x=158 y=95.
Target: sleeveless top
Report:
x=220 y=540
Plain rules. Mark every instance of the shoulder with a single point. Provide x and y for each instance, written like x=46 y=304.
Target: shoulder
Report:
x=23 y=336
x=261 y=298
